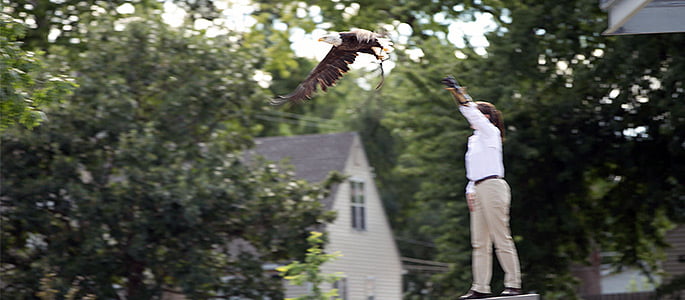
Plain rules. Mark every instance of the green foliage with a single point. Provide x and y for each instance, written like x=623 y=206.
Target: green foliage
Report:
x=566 y=138
x=138 y=183
x=25 y=85
x=125 y=171
x=47 y=292
x=65 y=22
x=587 y=168
x=309 y=271
x=434 y=134
x=672 y=289
x=599 y=186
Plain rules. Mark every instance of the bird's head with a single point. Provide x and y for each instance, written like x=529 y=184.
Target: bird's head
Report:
x=333 y=39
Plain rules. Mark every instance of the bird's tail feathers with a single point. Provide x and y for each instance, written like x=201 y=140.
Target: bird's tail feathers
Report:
x=278 y=101
x=290 y=98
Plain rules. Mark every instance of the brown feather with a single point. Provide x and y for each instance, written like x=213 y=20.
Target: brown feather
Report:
x=325 y=74
x=334 y=65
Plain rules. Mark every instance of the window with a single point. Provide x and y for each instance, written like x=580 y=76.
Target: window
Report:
x=370 y=288
x=341 y=285
x=357 y=204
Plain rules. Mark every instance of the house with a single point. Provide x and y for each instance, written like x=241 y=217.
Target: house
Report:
x=361 y=232
x=599 y=282
x=643 y=16
x=674 y=264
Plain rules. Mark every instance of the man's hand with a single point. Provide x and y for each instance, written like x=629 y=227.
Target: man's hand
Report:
x=471 y=201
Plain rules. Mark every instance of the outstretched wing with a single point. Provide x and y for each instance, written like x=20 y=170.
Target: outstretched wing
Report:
x=327 y=72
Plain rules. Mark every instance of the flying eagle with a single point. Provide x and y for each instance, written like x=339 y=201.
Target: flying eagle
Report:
x=346 y=47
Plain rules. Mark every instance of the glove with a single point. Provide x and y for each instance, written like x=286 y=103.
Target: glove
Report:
x=457 y=91
x=450 y=82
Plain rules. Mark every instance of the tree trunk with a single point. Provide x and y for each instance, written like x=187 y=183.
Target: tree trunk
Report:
x=135 y=287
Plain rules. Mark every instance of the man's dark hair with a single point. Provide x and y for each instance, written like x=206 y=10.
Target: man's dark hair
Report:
x=495 y=116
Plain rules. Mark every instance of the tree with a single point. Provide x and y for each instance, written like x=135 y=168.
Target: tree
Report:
x=377 y=114
x=309 y=271
x=594 y=136
x=138 y=185
x=65 y=22
x=588 y=169
x=25 y=85
x=434 y=134
x=594 y=131
x=569 y=125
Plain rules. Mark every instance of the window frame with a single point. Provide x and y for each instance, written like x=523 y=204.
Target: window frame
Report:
x=358 y=204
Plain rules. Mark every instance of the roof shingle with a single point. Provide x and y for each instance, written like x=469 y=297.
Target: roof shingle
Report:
x=313 y=156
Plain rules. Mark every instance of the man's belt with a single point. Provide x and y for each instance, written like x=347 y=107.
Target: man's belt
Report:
x=488 y=177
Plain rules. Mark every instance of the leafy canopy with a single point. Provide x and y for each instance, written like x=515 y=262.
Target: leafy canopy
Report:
x=138 y=184
x=25 y=84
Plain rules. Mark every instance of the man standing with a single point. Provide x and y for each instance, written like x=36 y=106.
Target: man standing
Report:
x=488 y=196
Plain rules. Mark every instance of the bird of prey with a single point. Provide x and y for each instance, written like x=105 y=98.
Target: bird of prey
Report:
x=346 y=47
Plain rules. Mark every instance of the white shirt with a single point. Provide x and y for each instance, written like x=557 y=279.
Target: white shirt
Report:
x=484 y=153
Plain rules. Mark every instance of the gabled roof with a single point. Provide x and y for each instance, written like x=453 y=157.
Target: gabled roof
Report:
x=313 y=156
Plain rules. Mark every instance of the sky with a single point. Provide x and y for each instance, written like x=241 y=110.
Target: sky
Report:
x=305 y=44
x=237 y=18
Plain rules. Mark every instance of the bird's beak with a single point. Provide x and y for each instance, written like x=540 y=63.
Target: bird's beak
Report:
x=320 y=39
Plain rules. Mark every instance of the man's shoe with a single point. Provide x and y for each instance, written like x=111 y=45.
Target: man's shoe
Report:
x=474 y=295
x=511 y=292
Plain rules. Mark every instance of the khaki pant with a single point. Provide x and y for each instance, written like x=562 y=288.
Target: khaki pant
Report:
x=490 y=224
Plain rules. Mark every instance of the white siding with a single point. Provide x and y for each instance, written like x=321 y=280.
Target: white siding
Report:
x=293 y=291
x=370 y=257
x=673 y=264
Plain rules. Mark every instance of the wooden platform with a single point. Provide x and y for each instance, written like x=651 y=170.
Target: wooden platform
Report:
x=520 y=297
